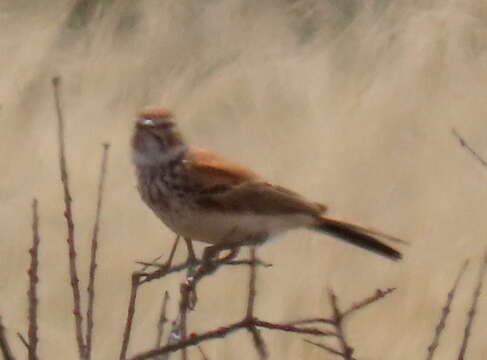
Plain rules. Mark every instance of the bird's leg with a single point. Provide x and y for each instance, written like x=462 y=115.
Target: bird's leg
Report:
x=191 y=255
x=191 y=263
x=192 y=260
x=209 y=263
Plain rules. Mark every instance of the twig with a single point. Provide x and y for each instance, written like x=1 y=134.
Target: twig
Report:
x=313 y=320
x=182 y=317
x=137 y=280
x=250 y=322
x=73 y=271
x=162 y=320
x=23 y=341
x=379 y=294
x=130 y=315
x=444 y=313
x=473 y=309
x=256 y=335
x=195 y=339
x=166 y=268
x=4 y=345
x=259 y=342
x=203 y=355
x=472 y=151
x=338 y=317
x=33 y=280
x=326 y=347
x=184 y=266
x=94 y=247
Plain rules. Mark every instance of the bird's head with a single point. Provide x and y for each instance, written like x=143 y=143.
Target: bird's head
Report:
x=156 y=140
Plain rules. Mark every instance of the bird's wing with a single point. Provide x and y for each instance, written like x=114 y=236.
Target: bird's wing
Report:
x=226 y=186
x=213 y=170
x=261 y=198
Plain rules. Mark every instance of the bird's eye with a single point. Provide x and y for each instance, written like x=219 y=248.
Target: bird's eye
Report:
x=148 y=122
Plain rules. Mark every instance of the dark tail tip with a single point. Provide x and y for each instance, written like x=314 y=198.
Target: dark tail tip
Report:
x=355 y=237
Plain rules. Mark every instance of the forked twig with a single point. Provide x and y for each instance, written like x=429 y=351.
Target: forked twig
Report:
x=195 y=339
x=249 y=323
x=73 y=271
x=445 y=313
x=337 y=321
x=4 y=344
x=94 y=247
x=473 y=309
x=33 y=280
x=338 y=317
x=139 y=278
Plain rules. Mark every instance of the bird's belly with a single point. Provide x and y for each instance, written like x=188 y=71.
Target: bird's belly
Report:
x=215 y=227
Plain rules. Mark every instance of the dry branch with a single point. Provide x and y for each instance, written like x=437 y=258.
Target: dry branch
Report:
x=73 y=271
x=139 y=278
x=473 y=309
x=338 y=317
x=94 y=247
x=337 y=321
x=444 y=313
x=4 y=344
x=33 y=280
x=249 y=322
x=195 y=339
x=130 y=315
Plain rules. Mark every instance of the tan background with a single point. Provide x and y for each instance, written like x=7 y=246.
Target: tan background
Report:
x=351 y=105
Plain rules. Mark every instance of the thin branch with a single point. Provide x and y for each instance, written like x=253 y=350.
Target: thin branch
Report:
x=184 y=305
x=203 y=355
x=4 y=345
x=137 y=280
x=23 y=341
x=73 y=271
x=221 y=332
x=313 y=320
x=338 y=317
x=473 y=309
x=257 y=338
x=33 y=280
x=165 y=268
x=259 y=342
x=162 y=320
x=444 y=314
x=184 y=266
x=130 y=316
x=379 y=294
x=327 y=348
x=94 y=247
x=471 y=150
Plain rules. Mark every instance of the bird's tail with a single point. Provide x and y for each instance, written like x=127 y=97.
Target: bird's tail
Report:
x=365 y=238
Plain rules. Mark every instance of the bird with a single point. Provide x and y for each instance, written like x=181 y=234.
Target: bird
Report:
x=204 y=197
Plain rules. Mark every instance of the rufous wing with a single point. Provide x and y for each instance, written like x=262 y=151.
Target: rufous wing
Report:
x=228 y=186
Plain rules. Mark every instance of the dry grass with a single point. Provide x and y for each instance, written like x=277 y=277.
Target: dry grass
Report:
x=372 y=92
